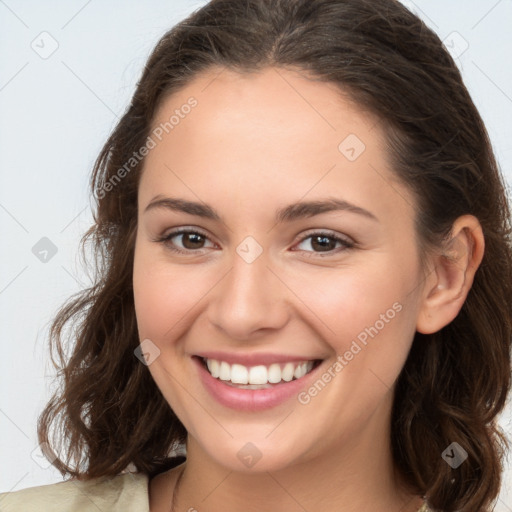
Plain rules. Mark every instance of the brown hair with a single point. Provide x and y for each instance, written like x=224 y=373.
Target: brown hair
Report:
x=110 y=412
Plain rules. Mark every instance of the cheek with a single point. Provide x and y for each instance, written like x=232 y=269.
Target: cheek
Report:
x=346 y=301
x=161 y=295
x=167 y=297
x=366 y=314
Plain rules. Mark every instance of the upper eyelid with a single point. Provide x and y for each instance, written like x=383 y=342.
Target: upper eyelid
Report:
x=328 y=232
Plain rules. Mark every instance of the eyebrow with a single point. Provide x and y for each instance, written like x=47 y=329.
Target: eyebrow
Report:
x=294 y=211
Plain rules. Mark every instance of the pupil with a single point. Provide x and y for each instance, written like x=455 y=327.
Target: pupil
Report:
x=324 y=243
x=192 y=240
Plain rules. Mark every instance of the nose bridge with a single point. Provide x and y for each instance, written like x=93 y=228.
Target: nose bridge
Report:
x=250 y=297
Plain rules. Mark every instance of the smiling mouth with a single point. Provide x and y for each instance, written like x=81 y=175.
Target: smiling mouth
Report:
x=260 y=376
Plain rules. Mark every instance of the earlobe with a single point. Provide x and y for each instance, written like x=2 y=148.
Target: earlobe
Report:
x=451 y=276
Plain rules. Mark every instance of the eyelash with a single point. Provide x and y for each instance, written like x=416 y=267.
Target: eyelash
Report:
x=325 y=234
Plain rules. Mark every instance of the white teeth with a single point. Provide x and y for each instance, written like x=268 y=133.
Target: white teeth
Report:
x=287 y=372
x=214 y=367
x=225 y=371
x=239 y=374
x=274 y=373
x=257 y=375
x=300 y=371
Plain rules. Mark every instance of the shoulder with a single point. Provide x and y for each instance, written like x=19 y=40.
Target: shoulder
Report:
x=125 y=492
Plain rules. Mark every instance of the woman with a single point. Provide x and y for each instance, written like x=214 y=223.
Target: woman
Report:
x=304 y=277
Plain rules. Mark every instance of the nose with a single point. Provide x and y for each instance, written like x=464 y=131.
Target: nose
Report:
x=249 y=301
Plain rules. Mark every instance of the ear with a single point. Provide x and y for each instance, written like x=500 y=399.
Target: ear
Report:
x=451 y=276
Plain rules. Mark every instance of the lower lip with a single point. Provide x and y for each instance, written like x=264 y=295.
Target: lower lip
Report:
x=251 y=399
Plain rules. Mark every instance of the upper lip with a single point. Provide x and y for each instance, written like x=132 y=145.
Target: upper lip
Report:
x=254 y=359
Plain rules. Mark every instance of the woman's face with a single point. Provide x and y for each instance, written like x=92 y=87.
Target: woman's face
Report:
x=298 y=255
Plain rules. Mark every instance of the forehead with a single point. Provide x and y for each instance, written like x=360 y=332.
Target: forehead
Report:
x=272 y=104
x=275 y=132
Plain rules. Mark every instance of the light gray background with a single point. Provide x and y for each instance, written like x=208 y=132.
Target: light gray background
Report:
x=56 y=112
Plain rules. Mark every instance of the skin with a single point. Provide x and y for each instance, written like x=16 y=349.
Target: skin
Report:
x=254 y=144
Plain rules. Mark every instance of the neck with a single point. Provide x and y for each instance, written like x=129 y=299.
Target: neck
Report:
x=350 y=478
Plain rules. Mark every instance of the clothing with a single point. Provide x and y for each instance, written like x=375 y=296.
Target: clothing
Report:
x=127 y=492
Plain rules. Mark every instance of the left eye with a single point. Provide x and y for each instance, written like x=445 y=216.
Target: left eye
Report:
x=324 y=242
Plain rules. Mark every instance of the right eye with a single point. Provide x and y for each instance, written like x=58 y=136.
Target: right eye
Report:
x=190 y=240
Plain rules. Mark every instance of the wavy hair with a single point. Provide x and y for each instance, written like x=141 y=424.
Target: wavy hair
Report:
x=108 y=412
